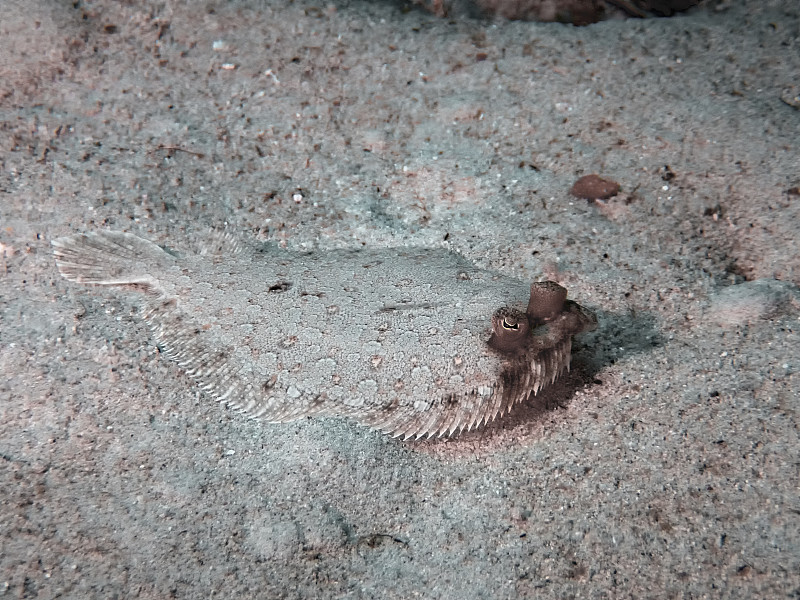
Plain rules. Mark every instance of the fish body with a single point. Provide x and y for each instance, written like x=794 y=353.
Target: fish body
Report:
x=404 y=340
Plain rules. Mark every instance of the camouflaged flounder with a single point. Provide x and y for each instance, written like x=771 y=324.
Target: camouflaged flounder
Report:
x=413 y=342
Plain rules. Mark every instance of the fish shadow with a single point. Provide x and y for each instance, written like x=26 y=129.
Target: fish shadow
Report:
x=618 y=336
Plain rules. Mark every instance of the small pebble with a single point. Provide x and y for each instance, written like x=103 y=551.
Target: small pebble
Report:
x=594 y=187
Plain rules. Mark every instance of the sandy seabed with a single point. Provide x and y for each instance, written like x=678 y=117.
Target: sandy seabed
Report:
x=666 y=465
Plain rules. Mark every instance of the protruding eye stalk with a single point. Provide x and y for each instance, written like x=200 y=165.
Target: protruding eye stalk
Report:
x=547 y=301
x=513 y=330
x=510 y=330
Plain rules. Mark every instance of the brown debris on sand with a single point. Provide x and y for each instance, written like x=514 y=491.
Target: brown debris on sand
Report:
x=575 y=12
x=594 y=187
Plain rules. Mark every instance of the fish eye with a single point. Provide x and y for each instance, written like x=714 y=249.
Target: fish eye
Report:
x=512 y=326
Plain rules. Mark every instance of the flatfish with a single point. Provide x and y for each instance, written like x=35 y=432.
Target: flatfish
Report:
x=414 y=342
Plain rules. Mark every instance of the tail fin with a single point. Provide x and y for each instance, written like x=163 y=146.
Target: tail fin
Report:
x=111 y=258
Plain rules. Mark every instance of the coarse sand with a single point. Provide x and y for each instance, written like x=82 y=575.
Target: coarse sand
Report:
x=665 y=465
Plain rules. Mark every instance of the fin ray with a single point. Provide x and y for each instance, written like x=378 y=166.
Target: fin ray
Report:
x=111 y=258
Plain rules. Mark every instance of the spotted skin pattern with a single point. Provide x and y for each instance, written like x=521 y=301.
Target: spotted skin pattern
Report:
x=414 y=342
